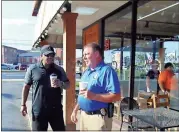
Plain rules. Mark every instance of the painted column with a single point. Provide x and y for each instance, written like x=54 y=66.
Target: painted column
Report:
x=69 y=59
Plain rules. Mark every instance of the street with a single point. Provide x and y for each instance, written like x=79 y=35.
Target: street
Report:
x=12 y=120
x=13 y=75
x=19 y=75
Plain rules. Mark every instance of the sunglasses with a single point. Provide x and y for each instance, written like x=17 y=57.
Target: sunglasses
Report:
x=50 y=55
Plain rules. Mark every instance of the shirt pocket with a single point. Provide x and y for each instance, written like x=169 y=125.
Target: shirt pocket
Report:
x=38 y=76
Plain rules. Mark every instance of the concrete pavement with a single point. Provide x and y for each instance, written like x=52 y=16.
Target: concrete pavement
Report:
x=11 y=102
x=116 y=123
x=12 y=120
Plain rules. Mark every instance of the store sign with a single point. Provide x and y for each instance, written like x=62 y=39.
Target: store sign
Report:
x=107 y=44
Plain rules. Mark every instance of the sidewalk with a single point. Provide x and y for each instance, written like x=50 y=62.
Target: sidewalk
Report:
x=116 y=123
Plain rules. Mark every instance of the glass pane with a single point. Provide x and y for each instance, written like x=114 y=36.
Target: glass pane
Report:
x=117 y=29
x=172 y=55
x=157 y=23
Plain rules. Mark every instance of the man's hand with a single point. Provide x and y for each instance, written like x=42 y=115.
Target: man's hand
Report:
x=24 y=110
x=57 y=83
x=88 y=94
x=74 y=117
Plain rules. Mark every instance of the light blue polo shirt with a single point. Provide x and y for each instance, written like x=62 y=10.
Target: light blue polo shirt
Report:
x=103 y=79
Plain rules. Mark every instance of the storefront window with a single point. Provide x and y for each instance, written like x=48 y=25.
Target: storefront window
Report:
x=117 y=54
x=157 y=23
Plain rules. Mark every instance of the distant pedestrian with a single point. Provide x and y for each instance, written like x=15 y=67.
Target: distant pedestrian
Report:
x=167 y=79
x=47 y=81
x=153 y=74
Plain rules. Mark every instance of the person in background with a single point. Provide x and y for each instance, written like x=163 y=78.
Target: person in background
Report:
x=153 y=74
x=167 y=79
x=46 y=98
x=103 y=88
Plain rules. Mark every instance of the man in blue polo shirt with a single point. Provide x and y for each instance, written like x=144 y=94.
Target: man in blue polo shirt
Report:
x=103 y=88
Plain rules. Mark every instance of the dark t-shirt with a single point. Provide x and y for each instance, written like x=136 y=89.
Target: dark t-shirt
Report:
x=154 y=75
x=42 y=94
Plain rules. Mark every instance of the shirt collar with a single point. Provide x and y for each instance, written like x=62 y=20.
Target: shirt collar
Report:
x=41 y=65
x=98 y=67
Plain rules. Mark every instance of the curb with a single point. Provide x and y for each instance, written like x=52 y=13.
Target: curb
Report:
x=13 y=70
x=13 y=80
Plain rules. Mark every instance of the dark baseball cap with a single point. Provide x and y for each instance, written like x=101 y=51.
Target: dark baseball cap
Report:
x=47 y=49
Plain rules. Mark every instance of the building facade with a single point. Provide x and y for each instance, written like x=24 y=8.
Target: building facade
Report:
x=10 y=54
x=138 y=28
x=29 y=58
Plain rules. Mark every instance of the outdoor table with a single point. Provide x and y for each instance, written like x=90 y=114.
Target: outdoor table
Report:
x=161 y=118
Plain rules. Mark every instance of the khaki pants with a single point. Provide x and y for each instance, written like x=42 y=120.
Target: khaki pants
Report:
x=95 y=122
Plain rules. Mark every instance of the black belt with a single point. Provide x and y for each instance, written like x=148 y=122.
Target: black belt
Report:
x=102 y=111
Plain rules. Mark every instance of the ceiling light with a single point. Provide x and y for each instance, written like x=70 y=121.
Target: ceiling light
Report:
x=49 y=28
x=174 y=15
x=153 y=9
x=58 y=15
x=61 y=11
x=55 y=21
x=46 y=31
x=85 y=10
x=64 y=9
x=158 y=11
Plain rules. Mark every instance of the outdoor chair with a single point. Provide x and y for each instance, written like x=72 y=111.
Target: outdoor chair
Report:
x=145 y=99
x=161 y=100
x=135 y=124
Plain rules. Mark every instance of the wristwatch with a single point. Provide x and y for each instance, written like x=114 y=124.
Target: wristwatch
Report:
x=62 y=84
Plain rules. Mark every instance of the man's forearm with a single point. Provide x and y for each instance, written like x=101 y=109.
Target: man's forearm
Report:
x=77 y=107
x=107 y=98
x=161 y=86
x=25 y=93
x=148 y=82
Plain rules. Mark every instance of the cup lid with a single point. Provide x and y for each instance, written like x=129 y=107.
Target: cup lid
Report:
x=53 y=74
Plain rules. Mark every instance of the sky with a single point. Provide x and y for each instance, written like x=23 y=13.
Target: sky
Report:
x=18 y=24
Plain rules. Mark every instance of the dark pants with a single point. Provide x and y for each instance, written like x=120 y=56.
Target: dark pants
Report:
x=52 y=115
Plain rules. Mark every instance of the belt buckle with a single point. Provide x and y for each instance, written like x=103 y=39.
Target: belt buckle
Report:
x=103 y=112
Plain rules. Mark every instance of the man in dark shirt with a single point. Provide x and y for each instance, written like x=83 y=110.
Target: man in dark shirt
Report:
x=153 y=74
x=46 y=100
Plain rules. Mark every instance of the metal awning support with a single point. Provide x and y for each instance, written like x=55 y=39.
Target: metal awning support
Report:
x=133 y=49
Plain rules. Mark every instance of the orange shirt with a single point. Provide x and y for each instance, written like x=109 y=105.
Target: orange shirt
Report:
x=165 y=77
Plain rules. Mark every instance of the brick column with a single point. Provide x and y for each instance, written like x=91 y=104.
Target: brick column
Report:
x=69 y=59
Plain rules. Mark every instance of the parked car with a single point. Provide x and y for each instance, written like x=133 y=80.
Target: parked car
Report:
x=23 y=67
x=10 y=66
x=17 y=67
x=5 y=67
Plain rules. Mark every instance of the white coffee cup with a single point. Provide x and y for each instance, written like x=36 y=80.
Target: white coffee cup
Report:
x=83 y=85
x=52 y=78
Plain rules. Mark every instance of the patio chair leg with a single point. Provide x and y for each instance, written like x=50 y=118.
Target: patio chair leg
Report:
x=121 y=125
